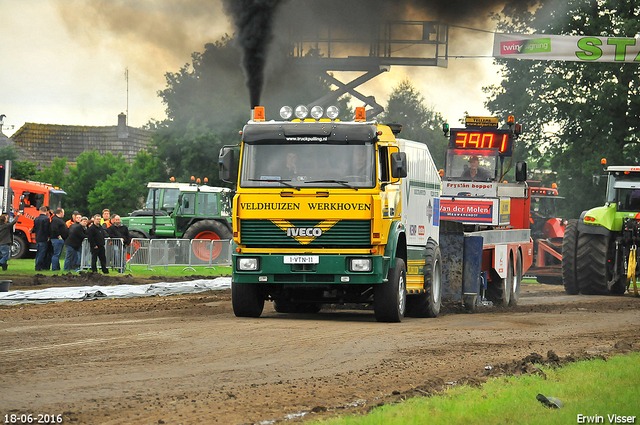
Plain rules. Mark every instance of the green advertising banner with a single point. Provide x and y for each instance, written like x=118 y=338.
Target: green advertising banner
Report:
x=566 y=48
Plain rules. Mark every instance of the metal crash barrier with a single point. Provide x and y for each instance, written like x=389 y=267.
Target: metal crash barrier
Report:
x=161 y=253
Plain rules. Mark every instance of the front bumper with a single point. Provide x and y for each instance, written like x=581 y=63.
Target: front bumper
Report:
x=330 y=270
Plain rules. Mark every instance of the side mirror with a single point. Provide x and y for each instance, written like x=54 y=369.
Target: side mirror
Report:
x=521 y=171
x=398 y=165
x=226 y=163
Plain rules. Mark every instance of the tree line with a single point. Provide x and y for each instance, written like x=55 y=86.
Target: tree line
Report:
x=573 y=113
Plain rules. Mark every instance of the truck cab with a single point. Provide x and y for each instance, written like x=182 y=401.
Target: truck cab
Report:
x=331 y=212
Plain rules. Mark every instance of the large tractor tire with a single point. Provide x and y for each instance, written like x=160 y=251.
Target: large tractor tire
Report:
x=499 y=289
x=591 y=264
x=516 y=280
x=211 y=230
x=246 y=299
x=569 y=255
x=19 y=247
x=428 y=303
x=390 y=297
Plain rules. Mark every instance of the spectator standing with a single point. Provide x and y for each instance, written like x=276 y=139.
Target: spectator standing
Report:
x=105 y=221
x=95 y=234
x=75 y=218
x=119 y=231
x=42 y=229
x=77 y=233
x=59 y=233
x=6 y=238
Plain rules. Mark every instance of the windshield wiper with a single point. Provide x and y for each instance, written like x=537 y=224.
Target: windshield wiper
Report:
x=342 y=182
x=284 y=182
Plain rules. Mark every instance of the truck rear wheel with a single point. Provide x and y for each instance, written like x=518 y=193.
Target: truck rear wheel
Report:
x=19 y=247
x=246 y=299
x=390 y=297
x=516 y=280
x=428 y=303
x=569 y=254
x=211 y=230
x=499 y=289
x=592 y=265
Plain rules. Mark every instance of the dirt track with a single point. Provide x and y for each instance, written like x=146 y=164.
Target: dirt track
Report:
x=187 y=359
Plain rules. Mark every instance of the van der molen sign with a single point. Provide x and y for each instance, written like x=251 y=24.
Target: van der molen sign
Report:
x=566 y=48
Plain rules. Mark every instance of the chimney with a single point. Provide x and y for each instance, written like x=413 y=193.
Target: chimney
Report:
x=123 y=130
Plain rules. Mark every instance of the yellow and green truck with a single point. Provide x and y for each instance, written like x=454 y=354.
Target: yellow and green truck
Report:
x=332 y=212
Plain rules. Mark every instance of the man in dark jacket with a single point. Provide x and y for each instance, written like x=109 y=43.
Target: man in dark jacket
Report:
x=96 y=242
x=119 y=231
x=59 y=233
x=77 y=233
x=42 y=229
x=6 y=239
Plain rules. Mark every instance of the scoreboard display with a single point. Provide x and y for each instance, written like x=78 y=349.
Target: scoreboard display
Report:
x=486 y=137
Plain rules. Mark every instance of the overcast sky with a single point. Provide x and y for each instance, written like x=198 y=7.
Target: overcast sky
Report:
x=64 y=61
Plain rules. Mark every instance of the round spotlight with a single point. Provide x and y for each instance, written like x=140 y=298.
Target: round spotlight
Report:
x=286 y=112
x=333 y=112
x=316 y=112
x=301 y=112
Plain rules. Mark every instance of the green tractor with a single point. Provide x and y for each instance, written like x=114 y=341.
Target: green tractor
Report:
x=183 y=211
x=598 y=249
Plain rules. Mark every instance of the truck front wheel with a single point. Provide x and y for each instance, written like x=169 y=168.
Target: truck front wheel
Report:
x=428 y=303
x=18 y=247
x=592 y=269
x=390 y=297
x=569 y=248
x=246 y=299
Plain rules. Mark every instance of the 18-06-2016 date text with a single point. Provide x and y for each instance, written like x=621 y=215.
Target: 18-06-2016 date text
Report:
x=30 y=418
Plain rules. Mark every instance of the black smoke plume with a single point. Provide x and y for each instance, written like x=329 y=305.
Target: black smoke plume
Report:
x=253 y=20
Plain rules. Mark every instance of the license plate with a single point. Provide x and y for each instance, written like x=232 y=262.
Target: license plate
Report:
x=301 y=259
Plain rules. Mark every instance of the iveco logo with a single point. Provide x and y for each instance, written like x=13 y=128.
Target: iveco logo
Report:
x=295 y=232
x=304 y=235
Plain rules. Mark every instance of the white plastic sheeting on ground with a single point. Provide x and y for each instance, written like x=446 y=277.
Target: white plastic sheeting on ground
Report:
x=120 y=291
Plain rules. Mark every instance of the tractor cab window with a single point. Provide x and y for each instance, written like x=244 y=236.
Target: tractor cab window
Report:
x=471 y=164
x=624 y=189
x=207 y=204
x=188 y=204
x=170 y=199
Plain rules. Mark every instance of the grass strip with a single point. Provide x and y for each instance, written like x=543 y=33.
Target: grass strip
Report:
x=592 y=391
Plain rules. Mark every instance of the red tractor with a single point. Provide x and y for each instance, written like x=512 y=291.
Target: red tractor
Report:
x=547 y=231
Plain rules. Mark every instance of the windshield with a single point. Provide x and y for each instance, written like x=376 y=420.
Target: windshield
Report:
x=55 y=200
x=620 y=185
x=471 y=164
x=169 y=200
x=308 y=165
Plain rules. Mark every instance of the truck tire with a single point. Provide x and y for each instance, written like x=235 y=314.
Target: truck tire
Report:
x=390 y=297
x=428 y=303
x=569 y=255
x=516 y=280
x=246 y=299
x=19 y=247
x=591 y=264
x=211 y=230
x=499 y=289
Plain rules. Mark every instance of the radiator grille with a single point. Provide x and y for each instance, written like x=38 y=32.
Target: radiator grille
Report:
x=345 y=233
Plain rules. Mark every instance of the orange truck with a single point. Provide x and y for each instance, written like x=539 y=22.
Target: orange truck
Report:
x=28 y=197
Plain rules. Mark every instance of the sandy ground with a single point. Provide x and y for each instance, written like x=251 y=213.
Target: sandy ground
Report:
x=187 y=359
